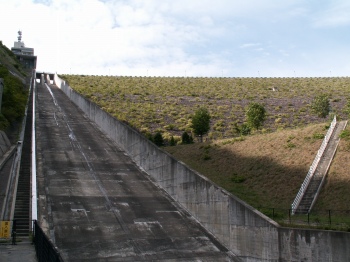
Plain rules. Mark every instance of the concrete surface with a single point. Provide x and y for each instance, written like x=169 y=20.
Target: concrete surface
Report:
x=96 y=204
x=24 y=251
x=245 y=231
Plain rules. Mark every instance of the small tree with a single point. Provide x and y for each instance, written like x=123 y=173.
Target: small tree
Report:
x=255 y=115
x=243 y=129
x=186 y=138
x=320 y=105
x=158 y=139
x=172 y=141
x=201 y=122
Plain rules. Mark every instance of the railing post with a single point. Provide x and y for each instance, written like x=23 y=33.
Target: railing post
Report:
x=289 y=216
x=14 y=233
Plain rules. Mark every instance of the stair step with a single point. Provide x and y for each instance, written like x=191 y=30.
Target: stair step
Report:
x=21 y=211
x=21 y=217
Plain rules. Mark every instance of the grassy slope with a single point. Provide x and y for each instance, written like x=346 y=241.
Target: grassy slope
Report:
x=9 y=60
x=15 y=92
x=264 y=170
x=166 y=104
x=335 y=193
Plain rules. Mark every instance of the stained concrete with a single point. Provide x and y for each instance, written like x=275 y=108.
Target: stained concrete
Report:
x=245 y=231
x=96 y=204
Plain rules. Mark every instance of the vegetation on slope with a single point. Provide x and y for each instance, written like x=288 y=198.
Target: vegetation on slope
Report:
x=335 y=193
x=10 y=61
x=166 y=104
x=265 y=170
x=15 y=93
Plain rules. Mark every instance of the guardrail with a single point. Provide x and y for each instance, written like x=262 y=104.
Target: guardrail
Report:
x=34 y=203
x=329 y=219
x=313 y=167
x=44 y=248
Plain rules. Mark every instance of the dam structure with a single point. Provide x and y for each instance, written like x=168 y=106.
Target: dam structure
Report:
x=99 y=205
x=101 y=191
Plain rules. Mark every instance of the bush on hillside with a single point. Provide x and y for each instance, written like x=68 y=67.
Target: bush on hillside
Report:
x=255 y=115
x=158 y=139
x=320 y=106
x=186 y=138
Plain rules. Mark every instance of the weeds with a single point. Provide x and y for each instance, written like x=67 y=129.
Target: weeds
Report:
x=170 y=101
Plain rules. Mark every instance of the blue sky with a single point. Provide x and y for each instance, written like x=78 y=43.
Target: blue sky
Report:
x=230 y=38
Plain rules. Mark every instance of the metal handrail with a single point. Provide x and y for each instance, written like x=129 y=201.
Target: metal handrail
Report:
x=313 y=166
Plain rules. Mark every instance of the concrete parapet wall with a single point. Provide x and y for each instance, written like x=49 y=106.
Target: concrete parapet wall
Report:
x=313 y=245
x=243 y=230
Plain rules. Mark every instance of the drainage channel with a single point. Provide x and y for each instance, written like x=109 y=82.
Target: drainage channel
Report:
x=22 y=222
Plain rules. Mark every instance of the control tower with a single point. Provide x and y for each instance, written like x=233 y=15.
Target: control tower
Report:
x=24 y=54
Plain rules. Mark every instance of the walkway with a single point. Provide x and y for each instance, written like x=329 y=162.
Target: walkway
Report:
x=24 y=251
x=316 y=182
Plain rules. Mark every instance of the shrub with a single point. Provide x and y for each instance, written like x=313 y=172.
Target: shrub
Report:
x=245 y=129
x=255 y=115
x=318 y=136
x=321 y=106
x=206 y=156
x=290 y=145
x=172 y=141
x=237 y=178
x=186 y=138
x=158 y=139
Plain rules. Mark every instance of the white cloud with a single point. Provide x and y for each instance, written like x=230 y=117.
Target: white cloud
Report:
x=207 y=38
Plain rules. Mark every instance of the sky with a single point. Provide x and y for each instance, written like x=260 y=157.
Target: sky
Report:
x=191 y=38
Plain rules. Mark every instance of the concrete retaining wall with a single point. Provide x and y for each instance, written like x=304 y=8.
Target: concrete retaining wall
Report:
x=246 y=232
x=313 y=245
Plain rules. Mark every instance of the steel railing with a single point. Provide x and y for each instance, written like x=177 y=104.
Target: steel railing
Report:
x=313 y=167
x=44 y=248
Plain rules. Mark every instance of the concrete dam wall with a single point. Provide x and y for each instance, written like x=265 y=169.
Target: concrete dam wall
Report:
x=245 y=231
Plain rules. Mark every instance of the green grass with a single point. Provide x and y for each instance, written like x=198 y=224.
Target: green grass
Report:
x=156 y=103
x=15 y=93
